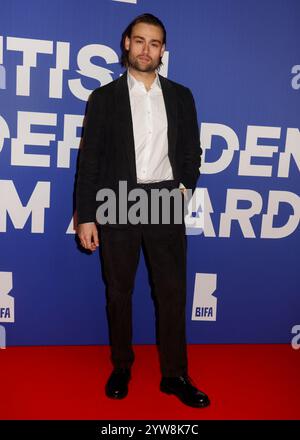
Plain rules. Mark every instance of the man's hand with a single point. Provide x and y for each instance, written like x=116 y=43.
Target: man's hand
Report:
x=88 y=235
x=183 y=190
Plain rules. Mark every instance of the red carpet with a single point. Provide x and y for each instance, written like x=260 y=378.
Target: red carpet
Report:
x=242 y=381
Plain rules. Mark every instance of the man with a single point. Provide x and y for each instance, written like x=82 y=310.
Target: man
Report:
x=141 y=129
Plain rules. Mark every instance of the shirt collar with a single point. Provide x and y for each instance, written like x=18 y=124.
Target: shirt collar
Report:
x=134 y=83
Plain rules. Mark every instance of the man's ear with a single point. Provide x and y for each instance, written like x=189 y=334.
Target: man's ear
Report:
x=162 y=50
x=127 y=43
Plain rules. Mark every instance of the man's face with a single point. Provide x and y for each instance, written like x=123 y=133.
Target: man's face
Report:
x=145 y=47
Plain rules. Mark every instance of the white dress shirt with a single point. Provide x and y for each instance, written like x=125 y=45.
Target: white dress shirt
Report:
x=150 y=130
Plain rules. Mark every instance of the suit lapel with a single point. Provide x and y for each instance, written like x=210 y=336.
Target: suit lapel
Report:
x=125 y=119
x=124 y=122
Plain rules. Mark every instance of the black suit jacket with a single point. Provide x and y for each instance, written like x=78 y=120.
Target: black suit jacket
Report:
x=107 y=153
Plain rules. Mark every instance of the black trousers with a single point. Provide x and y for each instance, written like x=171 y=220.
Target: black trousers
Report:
x=165 y=253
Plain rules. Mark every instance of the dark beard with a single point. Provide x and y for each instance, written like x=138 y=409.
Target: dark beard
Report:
x=134 y=63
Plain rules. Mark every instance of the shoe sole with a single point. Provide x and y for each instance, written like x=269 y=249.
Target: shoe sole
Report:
x=117 y=397
x=199 y=405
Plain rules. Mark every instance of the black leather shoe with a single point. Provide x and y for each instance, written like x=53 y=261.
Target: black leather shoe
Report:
x=117 y=384
x=183 y=388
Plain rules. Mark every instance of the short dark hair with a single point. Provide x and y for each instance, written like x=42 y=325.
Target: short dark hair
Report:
x=144 y=18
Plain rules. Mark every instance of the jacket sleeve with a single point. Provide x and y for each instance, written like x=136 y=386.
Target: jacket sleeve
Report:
x=89 y=168
x=192 y=148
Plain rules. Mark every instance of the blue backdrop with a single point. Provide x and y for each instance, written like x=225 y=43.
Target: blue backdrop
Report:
x=241 y=60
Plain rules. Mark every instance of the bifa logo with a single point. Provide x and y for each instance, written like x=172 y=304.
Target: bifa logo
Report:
x=295 y=342
x=7 y=302
x=204 y=303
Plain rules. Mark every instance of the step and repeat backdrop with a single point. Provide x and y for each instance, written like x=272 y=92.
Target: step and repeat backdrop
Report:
x=241 y=60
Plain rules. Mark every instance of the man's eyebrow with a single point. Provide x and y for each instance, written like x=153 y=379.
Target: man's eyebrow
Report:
x=142 y=38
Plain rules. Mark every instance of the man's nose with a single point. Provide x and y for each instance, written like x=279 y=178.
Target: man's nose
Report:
x=146 y=48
